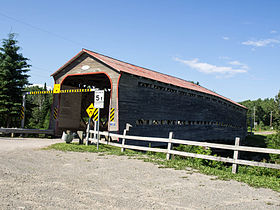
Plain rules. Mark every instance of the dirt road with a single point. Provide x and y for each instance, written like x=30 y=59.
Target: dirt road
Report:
x=31 y=178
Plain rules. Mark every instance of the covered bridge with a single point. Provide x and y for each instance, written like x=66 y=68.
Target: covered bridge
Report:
x=152 y=102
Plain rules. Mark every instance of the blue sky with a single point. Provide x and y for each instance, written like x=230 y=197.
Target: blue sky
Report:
x=230 y=47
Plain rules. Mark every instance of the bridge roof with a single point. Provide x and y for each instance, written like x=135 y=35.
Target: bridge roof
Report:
x=122 y=66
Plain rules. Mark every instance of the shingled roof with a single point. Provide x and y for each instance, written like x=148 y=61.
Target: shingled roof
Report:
x=146 y=73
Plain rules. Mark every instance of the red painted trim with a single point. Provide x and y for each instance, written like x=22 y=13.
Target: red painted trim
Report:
x=89 y=73
x=117 y=106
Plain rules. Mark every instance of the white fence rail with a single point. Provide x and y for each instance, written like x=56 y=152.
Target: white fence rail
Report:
x=236 y=148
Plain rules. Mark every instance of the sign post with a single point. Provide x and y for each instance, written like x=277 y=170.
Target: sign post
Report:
x=90 y=112
x=98 y=103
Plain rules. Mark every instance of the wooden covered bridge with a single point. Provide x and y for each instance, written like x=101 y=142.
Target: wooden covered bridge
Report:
x=152 y=102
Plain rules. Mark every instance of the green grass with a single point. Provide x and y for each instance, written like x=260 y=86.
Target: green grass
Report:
x=253 y=176
x=103 y=149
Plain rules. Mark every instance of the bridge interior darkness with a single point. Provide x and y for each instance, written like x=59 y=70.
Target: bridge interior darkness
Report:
x=90 y=81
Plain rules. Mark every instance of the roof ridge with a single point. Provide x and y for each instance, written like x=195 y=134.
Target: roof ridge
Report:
x=146 y=68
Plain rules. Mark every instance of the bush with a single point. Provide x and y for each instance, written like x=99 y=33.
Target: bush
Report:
x=203 y=151
x=273 y=142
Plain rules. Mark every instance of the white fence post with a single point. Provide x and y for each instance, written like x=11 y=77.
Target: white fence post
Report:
x=123 y=140
x=235 y=155
x=169 y=145
x=87 y=134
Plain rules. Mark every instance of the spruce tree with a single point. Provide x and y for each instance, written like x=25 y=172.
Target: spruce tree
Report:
x=13 y=78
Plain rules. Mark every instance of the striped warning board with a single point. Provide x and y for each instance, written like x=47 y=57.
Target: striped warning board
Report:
x=22 y=113
x=55 y=112
x=39 y=92
x=112 y=115
x=95 y=114
x=60 y=91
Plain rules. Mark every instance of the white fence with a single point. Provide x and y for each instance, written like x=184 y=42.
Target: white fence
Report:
x=236 y=148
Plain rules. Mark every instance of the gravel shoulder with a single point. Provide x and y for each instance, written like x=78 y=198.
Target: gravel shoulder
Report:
x=31 y=178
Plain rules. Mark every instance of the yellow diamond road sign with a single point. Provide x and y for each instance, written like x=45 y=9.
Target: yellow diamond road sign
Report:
x=90 y=110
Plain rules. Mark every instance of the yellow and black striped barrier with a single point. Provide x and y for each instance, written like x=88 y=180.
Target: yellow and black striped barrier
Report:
x=55 y=112
x=22 y=113
x=39 y=92
x=95 y=114
x=112 y=115
x=60 y=91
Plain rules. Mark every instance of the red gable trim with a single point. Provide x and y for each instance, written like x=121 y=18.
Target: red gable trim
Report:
x=146 y=73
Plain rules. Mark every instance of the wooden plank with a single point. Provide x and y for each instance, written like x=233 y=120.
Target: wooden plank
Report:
x=207 y=157
x=203 y=144
x=169 y=146
x=259 y=149
x=105 y=142
x=235 y=156
x=145 y=148
x=260 y=164
x=140 y=138
x=225 y=146
x=123 y=140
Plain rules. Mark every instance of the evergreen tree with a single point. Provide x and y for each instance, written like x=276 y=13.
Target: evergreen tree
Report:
x=13 y=78
x=38 y=108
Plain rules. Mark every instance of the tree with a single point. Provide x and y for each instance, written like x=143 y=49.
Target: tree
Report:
x=38 y=108
x=13 y=78
x=263 y=109
x=277 y=111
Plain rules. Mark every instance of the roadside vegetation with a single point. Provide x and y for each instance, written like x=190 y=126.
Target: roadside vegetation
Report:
x=253 y=176
x=265 y=112
x=38 y=108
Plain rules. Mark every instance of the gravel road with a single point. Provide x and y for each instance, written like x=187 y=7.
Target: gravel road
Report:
x=31 y=178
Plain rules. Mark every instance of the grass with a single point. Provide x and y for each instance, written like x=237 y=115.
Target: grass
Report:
x=103 y=149
x=253 y=176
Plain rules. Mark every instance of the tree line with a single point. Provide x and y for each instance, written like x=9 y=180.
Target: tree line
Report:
x=265 y=112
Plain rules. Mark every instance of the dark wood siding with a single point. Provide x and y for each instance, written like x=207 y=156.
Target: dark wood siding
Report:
x=155 y=109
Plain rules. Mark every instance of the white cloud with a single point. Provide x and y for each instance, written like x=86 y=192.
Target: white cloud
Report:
x=225 y=71
x=273 y=32
x=237 y=63
x=261 y=43
x=225 y=38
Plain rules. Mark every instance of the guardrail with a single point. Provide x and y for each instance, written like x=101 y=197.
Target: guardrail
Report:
x=27 y=131
x=236 y=148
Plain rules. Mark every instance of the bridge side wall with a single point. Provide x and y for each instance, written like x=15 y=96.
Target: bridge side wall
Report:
x=155 y=109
